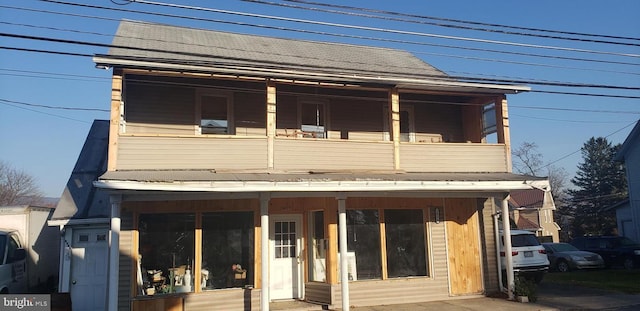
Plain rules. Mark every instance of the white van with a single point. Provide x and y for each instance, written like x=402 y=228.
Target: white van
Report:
x=529 y=256
x=12 y=263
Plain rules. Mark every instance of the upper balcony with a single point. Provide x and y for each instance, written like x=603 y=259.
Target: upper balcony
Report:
x=184 y=122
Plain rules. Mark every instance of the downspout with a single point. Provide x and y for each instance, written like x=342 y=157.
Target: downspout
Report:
x=114 y=253
x=506 y=233
x=499 y=262
x=264 y=250
x=342 y=243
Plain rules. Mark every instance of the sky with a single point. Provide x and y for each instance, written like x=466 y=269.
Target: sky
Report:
x=49 y=100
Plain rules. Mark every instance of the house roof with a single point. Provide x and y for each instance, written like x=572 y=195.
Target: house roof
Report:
x=631 y=140
x=80 y=200
x=165 y=47
x=533 y=198
x=526 y=224
x=212 y=181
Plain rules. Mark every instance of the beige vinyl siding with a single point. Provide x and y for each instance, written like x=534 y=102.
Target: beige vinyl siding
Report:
x=223 y=300
x=125 y=261
x=419 y=157
x=160 y=110
x=321 y=154
x=394 y=291
x=166 y=153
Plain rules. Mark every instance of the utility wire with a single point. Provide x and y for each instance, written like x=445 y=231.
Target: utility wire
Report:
x=45 y=113
x=76 y=42
x=463 y=21
x=343 y=35
x=375 y=29
x=422 y=22
x=53 y=107
x=574 y=152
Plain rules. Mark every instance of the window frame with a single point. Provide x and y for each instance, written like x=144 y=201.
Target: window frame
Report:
x=325 y=115
x=228 y=96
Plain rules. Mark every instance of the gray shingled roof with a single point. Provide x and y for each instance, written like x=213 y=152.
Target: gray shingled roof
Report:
x=80 y=199
x=142 y=40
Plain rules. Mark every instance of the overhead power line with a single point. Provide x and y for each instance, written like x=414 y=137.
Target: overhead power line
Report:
x=422 y=22
x=420 y=43
x=466 y=21
x=347 y=26
x=52 y=107
x=76 y=42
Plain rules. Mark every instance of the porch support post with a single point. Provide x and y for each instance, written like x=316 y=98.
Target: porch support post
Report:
x=344 y=272
x=264 y=250
x=394 y=122
x=271 y=123
x=114 y=253
x=506 y=233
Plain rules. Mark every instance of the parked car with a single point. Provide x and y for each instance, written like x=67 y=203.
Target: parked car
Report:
x=529 y=256
x=615 y=250
x=564 y=257
x=12 y=263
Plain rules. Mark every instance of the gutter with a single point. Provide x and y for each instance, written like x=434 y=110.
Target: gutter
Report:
x=317 y=186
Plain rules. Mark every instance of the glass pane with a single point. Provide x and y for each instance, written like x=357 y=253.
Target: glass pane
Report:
x=167 y=250
x=317 y=251
x=214 y=115
x=292 y=251
x=405 y=239
x=363 y=240
x=227 y=249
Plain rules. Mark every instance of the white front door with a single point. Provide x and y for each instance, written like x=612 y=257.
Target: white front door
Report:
x=89 y=266
x=285 y=275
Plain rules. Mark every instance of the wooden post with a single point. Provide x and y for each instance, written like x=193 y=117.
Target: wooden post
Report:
x=116 y=115
x=383 y=246
x=394 y=120
x=271 y=122
x=331 y=223
x=502 y=127
x=196 y=270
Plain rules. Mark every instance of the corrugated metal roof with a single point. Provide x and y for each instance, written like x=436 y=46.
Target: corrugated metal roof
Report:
x=155 y=176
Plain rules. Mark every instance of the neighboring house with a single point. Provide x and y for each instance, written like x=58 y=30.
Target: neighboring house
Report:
x=39 y=241
x=628 y=211
x=532 y=210
x=83 y=217
x=239 y=167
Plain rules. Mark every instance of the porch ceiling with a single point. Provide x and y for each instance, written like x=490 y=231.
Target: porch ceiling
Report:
x=212 y=181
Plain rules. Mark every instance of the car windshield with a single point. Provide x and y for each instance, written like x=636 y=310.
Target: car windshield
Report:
x=564 y=247
x=521 y=240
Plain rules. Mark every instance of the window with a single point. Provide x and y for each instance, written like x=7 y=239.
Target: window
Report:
x=14 y=245
x=216 y=114
x=227 y=242
x=312 y=120
x=167 y=248
x=363 y=239
x=405 y=239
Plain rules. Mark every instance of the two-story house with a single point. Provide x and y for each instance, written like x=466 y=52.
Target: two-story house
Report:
x=532 y=210
x=246 y=169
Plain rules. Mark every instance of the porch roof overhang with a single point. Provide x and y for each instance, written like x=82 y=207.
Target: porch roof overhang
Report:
x=242 y=182
x=435 y=83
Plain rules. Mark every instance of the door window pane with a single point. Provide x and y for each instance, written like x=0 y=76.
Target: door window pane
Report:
x=405 y=239
x=363 y=239
x=285 y=238
x=167 y=250
x=227 y=250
